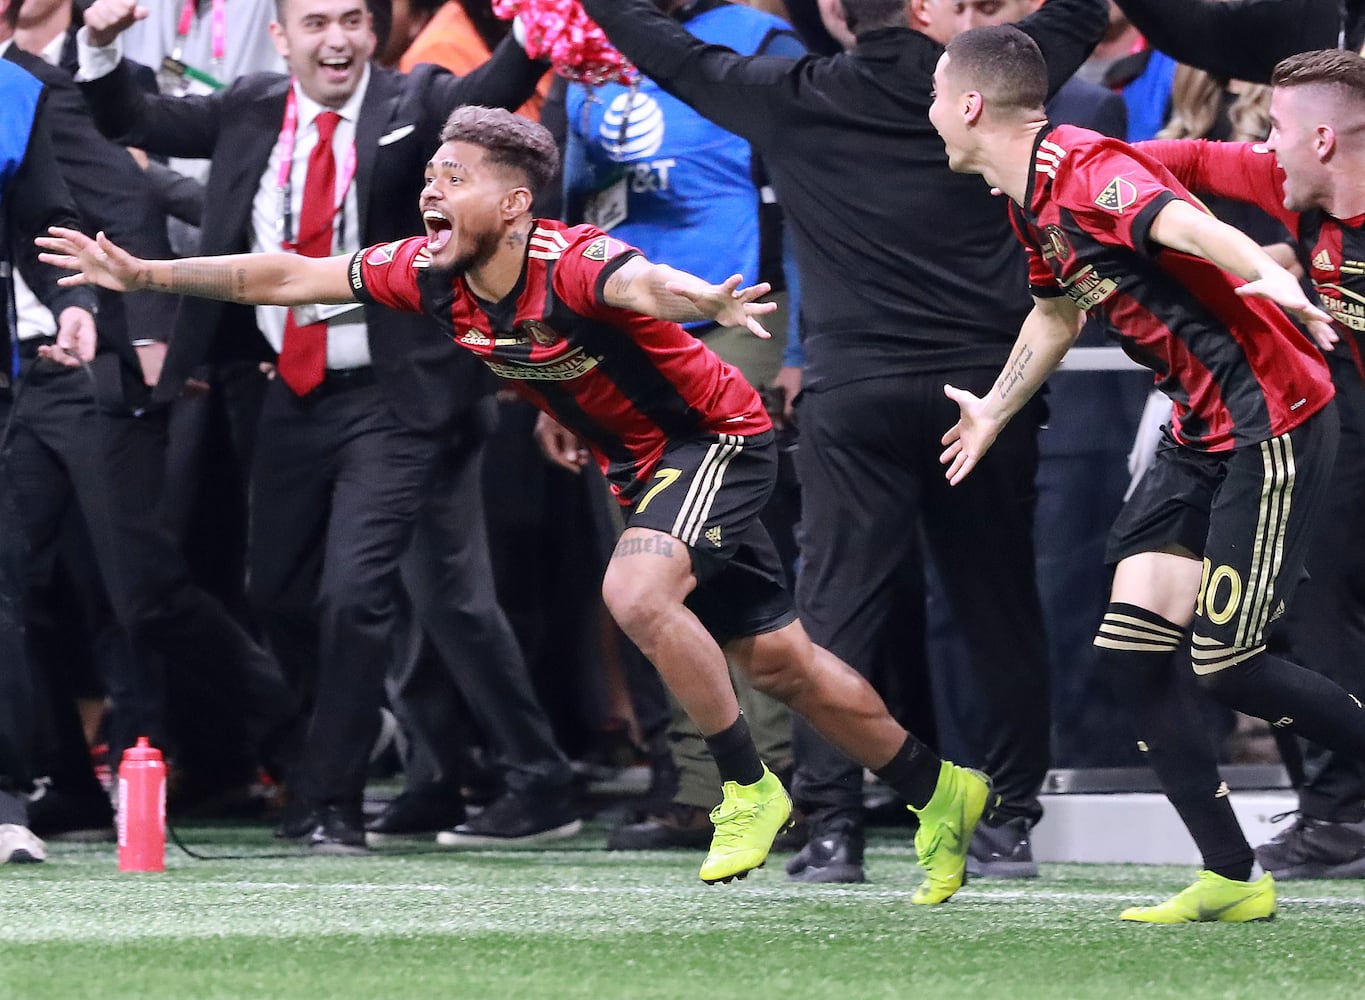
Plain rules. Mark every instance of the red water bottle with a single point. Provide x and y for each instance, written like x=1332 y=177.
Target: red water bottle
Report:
x=142 y=809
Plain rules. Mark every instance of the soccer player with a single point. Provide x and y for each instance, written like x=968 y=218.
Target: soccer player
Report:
x=1310 y=174
x=587 y=329
x=1214 y=537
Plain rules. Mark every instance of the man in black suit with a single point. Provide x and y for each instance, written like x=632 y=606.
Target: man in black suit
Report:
x=352 y=452
x=32 y=197
x=91 y=439
x=1082 y=475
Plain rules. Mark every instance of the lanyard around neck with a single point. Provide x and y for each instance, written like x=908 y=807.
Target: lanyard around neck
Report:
x=217 y=28
x=284 y=218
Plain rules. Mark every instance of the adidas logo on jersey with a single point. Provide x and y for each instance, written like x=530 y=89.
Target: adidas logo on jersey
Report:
x=713 y=535
x=476 y=338
x=1322 y=261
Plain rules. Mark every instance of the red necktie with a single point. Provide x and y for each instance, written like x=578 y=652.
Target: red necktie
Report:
x=303 y=358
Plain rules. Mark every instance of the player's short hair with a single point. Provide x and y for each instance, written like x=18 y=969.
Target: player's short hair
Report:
x=1336 y=68
x=506 y=139
x=1004 y=64
x=868 y=15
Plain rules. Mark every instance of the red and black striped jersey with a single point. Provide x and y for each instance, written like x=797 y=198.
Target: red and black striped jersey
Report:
x=1331 y=250
x=1237 y=369
x=624 y=382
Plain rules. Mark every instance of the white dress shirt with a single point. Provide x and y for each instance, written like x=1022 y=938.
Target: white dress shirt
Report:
x=347 y=343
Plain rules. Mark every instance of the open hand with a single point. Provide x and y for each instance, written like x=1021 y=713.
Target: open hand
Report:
x=968 y=439
x=1282 y=288
x=97 y=261
x=728 y=304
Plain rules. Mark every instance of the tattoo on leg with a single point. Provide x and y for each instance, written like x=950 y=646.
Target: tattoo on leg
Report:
x=659 y=545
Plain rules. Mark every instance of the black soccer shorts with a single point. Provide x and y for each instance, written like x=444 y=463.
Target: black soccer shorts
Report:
x=1248 y=513
x=707 y=492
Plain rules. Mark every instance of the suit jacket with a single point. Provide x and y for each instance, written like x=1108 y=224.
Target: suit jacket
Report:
x=34 y=198
x=428 y=380
x=111 y=194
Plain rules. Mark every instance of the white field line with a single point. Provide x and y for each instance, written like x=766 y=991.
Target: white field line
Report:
x=970 y=894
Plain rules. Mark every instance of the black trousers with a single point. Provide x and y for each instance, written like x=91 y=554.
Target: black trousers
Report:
x=16 y=679
x=1325 y=625
x=338 y=486
x=870 y=475
x=63 y=449
x=448 y=573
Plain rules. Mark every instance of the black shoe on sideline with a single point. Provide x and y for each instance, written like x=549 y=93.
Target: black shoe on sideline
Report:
x=1002 y=851
x=297 y=821
x=418 y=812
x=79 y=819
x=336 y=831
x=677 y=826
x=516 y=818
x=1315 y=848
x=833 y=851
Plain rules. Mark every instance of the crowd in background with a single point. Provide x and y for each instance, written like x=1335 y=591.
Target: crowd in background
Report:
x=293 y=582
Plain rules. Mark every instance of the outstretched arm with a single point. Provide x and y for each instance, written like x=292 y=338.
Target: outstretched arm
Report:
x=1236 y=39
x=1181 y=226
x=666 y=293
x=275 y=279
x=1047 y=333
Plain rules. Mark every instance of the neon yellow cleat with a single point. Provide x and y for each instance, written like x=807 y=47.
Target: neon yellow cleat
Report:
x=746 y=821
x=1212 y=898
x=946 y=824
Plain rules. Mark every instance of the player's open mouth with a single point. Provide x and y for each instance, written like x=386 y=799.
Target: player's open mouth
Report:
x=439 y=229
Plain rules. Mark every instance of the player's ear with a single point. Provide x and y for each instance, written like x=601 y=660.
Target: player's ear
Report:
x=972 y=106
x=516 y=202
x=1324 y=141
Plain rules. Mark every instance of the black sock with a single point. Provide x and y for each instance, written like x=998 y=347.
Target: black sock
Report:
x=735 y=754
x=1147 y=659
x=913 y=772
x=1291 y=697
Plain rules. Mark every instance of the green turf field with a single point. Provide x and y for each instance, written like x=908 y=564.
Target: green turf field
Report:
x=582 y=922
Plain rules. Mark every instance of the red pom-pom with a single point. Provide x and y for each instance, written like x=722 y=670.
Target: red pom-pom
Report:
x=560 y=31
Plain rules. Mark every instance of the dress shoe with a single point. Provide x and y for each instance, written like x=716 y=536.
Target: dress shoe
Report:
x=675 y=826
x=73 y=818
x=1002 y=851
x=517 y=818
x=418 y=812
x=1315 y=848
x=297 y=821
x=337 y=831
x=833 y=851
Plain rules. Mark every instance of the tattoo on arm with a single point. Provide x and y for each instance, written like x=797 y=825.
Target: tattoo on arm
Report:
x=620 y=285
x=1015 y=373
x=659 y=545
x=212 y=281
